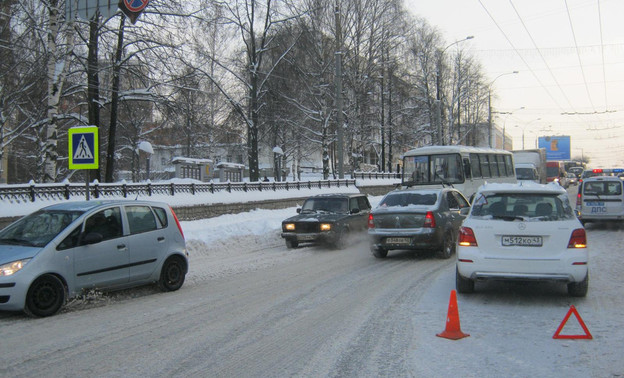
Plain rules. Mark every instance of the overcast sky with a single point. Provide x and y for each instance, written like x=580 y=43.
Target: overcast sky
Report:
x=570 y=58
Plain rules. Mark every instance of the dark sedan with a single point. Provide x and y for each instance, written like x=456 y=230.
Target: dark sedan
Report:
x=417 y=219
x=327 y=219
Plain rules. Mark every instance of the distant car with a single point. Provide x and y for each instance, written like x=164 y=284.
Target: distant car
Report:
x=327 y=219
x=56 y=252
x=600 y=198
x=523 y=232
x=572 y=179
x=417 y=219
x=578 y=171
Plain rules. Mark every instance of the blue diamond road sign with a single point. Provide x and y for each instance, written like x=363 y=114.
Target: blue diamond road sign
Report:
x=83 y=147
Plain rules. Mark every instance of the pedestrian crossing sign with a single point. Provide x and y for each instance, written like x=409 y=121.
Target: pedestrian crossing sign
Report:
x=83 y=147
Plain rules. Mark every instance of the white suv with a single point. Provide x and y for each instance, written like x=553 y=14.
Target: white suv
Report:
x=600 y=198
x=523 y=232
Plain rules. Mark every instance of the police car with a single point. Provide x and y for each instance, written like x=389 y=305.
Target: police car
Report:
x=600 y=198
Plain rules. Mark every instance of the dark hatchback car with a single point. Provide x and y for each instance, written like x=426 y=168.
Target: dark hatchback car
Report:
x=417 y=219
x=327 y=219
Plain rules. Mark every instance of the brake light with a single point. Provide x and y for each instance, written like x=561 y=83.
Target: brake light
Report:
x=371 y=221
x=578 y=239
x=467 y=237
x=578 y=199
x=597 y=170
x=429 y=220
x=177 y=221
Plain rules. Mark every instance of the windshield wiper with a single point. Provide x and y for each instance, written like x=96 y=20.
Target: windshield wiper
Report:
x=15 y=241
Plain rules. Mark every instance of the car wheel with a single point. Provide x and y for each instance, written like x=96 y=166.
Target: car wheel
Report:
x=172 y=274
x=463 y=285
x=45 y=296
x=448 y=246
x=579 y=289
x=341 y=239
x=380 y=253
x=290 y=243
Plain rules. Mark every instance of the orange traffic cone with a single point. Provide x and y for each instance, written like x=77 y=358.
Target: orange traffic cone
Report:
x=453 y=330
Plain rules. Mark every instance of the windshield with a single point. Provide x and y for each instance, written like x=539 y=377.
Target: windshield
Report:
x=552 y=171
x=407 y=199
x=433 y=169
x=332 y=205
x=523 y=206
x=525 y=174
x=37 y=229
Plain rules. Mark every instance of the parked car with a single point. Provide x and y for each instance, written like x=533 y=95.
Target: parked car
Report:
x=327 y=219
x=417 y=219
x=572 y=179
x=600 y=198
x=56 y=252
x=522 y=232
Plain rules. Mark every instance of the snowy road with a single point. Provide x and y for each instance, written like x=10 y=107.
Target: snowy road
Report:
x=252 y=308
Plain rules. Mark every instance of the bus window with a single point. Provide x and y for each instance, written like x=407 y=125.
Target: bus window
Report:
x=475 y=165
x=485 y=165
x=501 y=165
x=509 y=165
x=493 y=165
x=467 y=173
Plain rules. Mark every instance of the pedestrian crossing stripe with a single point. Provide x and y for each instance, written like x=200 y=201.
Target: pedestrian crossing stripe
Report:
x=83 y=147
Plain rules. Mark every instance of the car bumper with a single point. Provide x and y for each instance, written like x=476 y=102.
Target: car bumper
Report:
x=420 y=238
x=311 y=237
x=604 y=217
x=569 y=266
x=12 y=296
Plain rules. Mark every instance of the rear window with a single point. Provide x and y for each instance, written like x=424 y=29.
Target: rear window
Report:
x=523 y=206
x=605 y=188
x=407 y=199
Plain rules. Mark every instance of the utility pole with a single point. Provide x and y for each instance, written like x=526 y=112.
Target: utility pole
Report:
x=339 y=125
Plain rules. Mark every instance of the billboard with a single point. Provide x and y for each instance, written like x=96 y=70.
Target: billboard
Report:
x=557 y=147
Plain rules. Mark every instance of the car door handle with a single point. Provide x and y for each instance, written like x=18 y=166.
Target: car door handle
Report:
x=121 y=247
x=161 y=238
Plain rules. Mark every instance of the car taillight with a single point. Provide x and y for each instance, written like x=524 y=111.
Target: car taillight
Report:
x=467 y=237
x=371 y=221
x=429 y=220
x=177 y=221
x=578 y=239
x=578 y=199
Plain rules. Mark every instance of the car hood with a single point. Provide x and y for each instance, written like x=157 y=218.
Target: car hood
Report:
x=9 y=253
x=316 y=217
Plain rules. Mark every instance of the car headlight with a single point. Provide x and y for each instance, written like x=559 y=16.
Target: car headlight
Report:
x=325 y=226
x=12 y=267
x=289 y=227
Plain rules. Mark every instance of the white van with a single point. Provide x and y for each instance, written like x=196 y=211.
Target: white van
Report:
x=600 y=198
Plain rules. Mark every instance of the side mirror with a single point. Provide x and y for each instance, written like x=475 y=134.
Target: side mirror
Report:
x=298 y=210
x=355 y=211
x=92 y=238
x=464 y=211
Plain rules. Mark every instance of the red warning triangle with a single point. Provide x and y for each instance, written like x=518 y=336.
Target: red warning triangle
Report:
x=572 y=310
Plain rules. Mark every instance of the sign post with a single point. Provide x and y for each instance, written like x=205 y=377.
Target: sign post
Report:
x=83 y=150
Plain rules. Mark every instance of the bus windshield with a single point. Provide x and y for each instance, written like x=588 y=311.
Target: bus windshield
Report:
x=433 y=169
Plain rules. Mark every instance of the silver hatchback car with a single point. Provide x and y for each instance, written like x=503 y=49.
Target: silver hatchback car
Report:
x=56 y=252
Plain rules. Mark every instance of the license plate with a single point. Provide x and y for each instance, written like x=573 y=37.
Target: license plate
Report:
x=305 y=237
x=588 y=203
x=522 y=241
x=398 y=241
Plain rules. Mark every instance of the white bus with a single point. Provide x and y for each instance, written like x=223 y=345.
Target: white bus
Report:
x=463 y=167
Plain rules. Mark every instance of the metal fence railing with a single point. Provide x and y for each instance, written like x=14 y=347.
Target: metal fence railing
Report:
x=376 y=175
x=32 y=192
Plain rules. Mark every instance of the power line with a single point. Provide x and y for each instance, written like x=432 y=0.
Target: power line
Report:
x=578 y=55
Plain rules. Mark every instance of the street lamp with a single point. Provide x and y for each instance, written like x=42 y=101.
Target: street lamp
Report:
x=523 y=128
x=490 y=104
x=438 y=107
x=505 y=123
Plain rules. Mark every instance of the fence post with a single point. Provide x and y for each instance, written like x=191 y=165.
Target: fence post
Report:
x=274 y=189
x=193 y=188
x=96 y=189
x=67 y=190
x=244 y=187
x=172 y=190
x=149 y=188
x=32 y=191
x=124 y=188
x=229 y=186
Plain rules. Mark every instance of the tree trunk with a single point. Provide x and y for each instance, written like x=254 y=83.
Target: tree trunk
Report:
x=112 y=129
x=93 y=82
